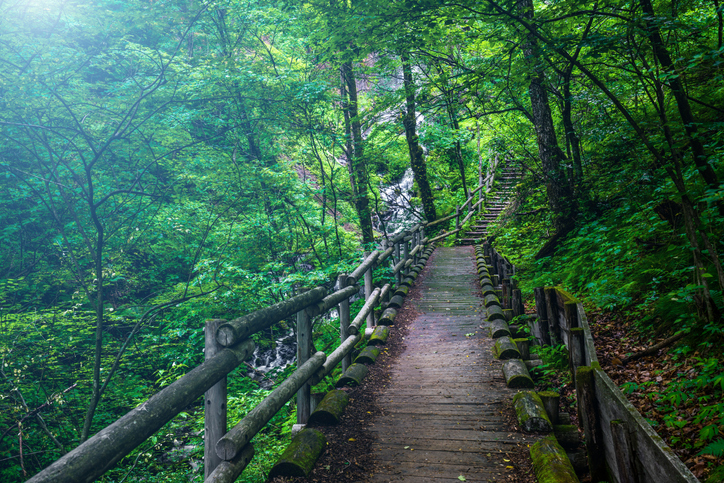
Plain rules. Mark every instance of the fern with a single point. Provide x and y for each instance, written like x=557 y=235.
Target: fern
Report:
x=715 y=448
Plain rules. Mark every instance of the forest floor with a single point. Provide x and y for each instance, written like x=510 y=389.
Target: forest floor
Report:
x=349 y=456
x=616 y=335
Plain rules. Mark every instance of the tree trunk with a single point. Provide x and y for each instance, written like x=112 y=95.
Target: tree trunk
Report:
x=682 y=102
x=551 y=155
x=357 y=166
x=417 y=160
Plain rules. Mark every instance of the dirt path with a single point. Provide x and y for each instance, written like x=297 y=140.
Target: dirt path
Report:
x=442 y=414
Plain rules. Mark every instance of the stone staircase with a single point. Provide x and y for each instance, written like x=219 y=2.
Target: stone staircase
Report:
x=501 y=196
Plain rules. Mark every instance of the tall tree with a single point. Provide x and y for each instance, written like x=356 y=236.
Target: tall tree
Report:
x=551 y=155
x=417 y=156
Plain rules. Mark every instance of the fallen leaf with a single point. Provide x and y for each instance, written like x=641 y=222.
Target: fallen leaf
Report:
x=462 y=478
x=351 y=439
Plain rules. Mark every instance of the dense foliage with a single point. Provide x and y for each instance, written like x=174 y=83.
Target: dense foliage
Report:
x=166 y=162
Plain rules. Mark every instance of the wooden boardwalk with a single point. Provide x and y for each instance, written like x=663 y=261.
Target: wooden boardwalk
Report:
x=442 y=412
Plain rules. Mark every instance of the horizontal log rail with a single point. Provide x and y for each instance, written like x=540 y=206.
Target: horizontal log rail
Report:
x=232 y=344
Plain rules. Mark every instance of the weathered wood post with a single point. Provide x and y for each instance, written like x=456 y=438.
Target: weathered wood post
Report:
x=304 y=346
x=623 y=450
x=397 y=257
x=422 y=232
x=368 y=291
x=406 y=251
x=457 y=217
x=505 y=285
x=518 y=308
x=590 y=421
x=344 y=318
x=571 y=316
x=554 y=326
x=540 y=309
x=214 y=402
x=415 y=242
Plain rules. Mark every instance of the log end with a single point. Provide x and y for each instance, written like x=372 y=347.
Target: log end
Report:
x=531 y=413
x=330 y=409
x=380 y=335
x=353 y=376
x=550 y=462
x=368 y=355
x=301 y=454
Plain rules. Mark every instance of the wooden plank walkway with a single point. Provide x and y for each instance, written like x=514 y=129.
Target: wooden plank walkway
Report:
x=442 y=413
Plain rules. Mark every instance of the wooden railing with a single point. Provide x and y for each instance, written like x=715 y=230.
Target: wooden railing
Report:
x=228 y=344
x=621 y=445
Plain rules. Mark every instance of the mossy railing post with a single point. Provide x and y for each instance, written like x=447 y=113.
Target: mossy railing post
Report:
x=457 y=217
x=542 y=312
x=304 y=345
x=343 y=308
x=368 y=291
x=214 y=402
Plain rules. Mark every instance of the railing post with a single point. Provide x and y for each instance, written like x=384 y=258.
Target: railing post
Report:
x=398 y=275
x=368 y=292
x=214 y=402
x=457 y=217
x=415 y=242
x=344 y=319
x=405 y=251
x=304 y=345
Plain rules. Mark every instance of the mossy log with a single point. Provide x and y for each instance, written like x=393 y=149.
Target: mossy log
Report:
x=508 y=314
x=498 y=329
x=491 y=300
x=516 y=375
x=487 y=289
x=380 y=335
x=388 y=317
x=353 y=375
x=505 y=348
x=550 y=462
x=230 y=470
x=368 y=355
x=402 y=290
x=567 y=435
x=396 y=302
x=495 y=313
x=330 y=409
x=531 y=413
x=301 y=454
x=408 y=281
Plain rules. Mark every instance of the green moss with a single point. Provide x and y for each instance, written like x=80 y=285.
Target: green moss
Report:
x=301 y=454
x=550 y=463
x=531 y=413
x=330 y=409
